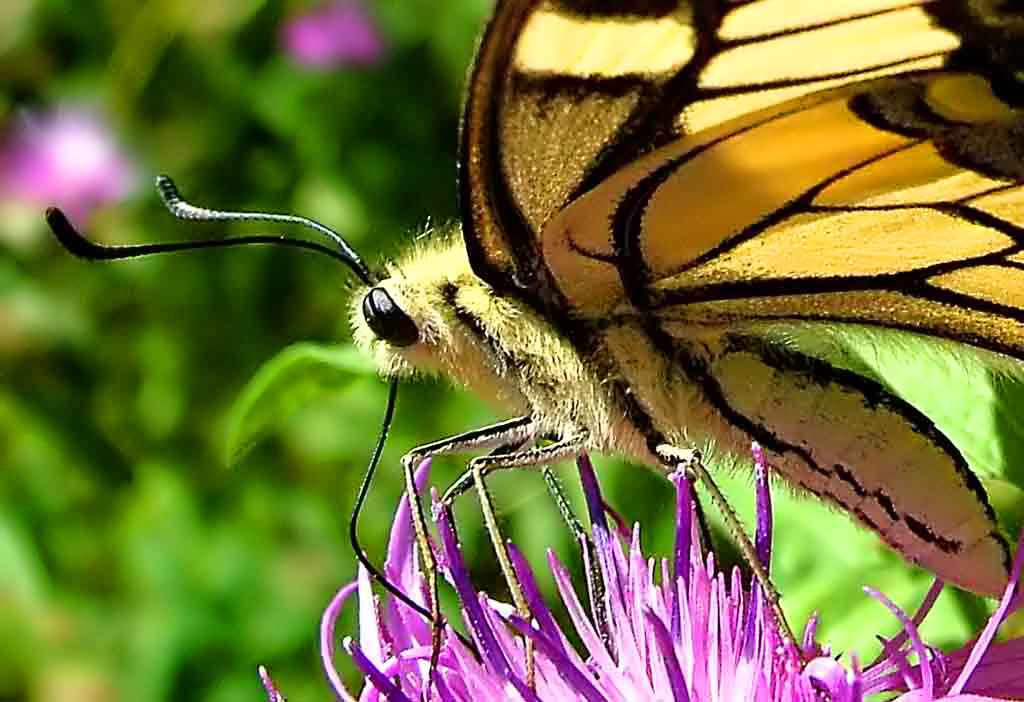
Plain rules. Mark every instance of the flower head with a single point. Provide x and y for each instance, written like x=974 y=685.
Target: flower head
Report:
x=69 y=158
x=683 y=630
x=339 y=33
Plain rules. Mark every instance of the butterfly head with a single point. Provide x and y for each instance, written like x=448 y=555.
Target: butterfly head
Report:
x=430 y=314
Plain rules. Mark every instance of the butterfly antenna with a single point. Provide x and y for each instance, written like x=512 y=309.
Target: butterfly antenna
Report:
x=75 y=243
x=353 y=522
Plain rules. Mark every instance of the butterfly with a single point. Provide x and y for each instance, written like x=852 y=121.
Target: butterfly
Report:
x=663 y=201
x=658 y=197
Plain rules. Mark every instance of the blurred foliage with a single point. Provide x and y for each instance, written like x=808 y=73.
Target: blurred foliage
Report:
x=134 y=564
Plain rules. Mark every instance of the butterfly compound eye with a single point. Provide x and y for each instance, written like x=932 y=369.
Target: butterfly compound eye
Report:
x=387 y=320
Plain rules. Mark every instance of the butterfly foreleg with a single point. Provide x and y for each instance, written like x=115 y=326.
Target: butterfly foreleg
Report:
x=478 y=468
x=535 y=456
x=512 y=432
x=507 y=437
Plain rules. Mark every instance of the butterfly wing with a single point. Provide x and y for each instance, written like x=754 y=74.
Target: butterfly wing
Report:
x=895 y=202
x=673 y=183
x=565 y=94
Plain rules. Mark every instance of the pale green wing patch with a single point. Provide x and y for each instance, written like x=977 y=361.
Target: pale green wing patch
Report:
x=848 y=439
x=974 y=397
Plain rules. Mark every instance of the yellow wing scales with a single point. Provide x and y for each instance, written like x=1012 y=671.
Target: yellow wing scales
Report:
x=544 y=72
x=827 y=204
x=565 y=94
x=768 y=44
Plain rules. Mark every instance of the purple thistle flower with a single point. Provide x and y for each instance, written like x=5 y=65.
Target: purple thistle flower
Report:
x=681 y=631
x=68 y=158
x=339 y=33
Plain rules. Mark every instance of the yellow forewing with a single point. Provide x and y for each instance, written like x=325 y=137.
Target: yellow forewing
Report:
x=833 y=218
x=564 y=94
x=557 y=43
x=876 y=40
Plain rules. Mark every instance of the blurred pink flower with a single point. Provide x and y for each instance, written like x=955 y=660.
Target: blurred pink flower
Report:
x=339 y=33
x=67 y=157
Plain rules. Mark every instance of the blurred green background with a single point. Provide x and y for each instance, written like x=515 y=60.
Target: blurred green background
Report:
x=134 y=563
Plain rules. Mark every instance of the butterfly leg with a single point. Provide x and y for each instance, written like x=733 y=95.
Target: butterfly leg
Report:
x=561 y=450
x=478 y=468
x=595 y=579
x=513 y=432
x=689 y=461
x=553 y=453
x=482 y=465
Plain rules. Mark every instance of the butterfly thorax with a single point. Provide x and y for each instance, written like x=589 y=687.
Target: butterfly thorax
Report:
x=498 y=347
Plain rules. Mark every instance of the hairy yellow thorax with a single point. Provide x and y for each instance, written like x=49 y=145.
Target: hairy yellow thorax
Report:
x=494 y=345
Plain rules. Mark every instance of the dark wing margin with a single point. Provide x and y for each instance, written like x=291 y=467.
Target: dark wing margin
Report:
x=563 y=94
x=484 y=199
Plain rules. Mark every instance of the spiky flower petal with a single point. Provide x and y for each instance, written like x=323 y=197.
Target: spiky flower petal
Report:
x=677 y=629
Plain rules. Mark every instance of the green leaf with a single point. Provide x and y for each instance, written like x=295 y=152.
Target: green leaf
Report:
x=295 y=377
